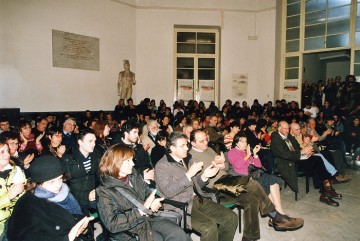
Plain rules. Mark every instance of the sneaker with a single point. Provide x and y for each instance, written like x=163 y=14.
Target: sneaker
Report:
x=286 y=223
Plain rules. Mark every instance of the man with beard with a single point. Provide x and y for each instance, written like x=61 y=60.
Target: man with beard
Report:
x=148 y=139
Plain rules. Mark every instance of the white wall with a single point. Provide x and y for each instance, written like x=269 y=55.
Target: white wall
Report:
x=143 y=34
x=27 y=77
x=154 y=50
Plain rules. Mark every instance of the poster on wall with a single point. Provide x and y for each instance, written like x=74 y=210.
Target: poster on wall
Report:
x=75 y=51
x=291 y=90
x=207 y=90
x=239 y=85
x=185 y=89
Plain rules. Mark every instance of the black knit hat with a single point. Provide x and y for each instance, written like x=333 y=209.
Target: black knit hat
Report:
x=45 y=168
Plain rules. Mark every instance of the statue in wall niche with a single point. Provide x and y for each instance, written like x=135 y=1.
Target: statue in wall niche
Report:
x=125 y=81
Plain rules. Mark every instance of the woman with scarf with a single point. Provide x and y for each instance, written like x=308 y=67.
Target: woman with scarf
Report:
x=48 y=211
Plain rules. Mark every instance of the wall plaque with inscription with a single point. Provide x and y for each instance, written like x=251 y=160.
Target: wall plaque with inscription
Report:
x=75 y=51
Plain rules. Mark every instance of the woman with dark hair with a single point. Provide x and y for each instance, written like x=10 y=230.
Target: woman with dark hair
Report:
x=28 y=141
x=160 y=147
x=54 y=134
x=240 y=158
x=164 y=124
x=101 y=131
x=12 y=181
x=48 y=211
x=180 y=121
x=228 y=138
x=120 y=184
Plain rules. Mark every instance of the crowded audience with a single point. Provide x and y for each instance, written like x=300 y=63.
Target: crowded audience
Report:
x=51 y=161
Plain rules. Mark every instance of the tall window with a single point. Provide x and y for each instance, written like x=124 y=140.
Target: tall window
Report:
x=196 y=64
x=327 y=24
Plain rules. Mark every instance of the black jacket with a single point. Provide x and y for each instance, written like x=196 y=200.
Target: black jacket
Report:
x=81 y=183
x=38 y=219
x=117 y=213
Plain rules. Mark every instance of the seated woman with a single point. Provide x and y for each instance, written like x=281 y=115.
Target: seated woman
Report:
x=240 y=157
x=160 y=147
x=118 y=213
x=54 y=148
x=101 y=131
x=28 y=142
x=228 y=138
x=47 y=211
x=12 y=181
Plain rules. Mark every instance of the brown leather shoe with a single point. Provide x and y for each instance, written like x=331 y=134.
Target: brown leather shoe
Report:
x=286 y=223
x=342 y=178
x=328 y=200
x=331 y=193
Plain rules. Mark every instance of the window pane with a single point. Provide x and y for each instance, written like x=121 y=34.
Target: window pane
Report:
x=357 y=38
x=292 y=62
x=315 y=5
x=339 y=13
x=357 y=24
x=316 y=17
x=342 y=26
x=206 y=74
x=206 y=48
x=185 y=74
x=314 y=30
x=186 y=48
x=337 y=3
x=206 y=63
x=186 y=37
x=357 y=57
x=293 y=21
x=292 y=73
x=293 y=9
x=292 y=46
x=292 y=1
x=185 y=62
x=206 y=37
x=315 y=43
x=357 y=69
x=293 y=33
x=341 y=40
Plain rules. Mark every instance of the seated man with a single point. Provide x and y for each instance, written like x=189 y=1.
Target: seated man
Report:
x=289 y=155
x=148 y=139
x=253 y=201
x=216 y=139
x=175 y=181
x=304 y=141
x=337 y=151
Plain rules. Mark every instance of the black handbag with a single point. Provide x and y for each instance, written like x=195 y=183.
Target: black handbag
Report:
x=255 y=172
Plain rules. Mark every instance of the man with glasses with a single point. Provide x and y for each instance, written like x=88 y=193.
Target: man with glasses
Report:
x=69 y=137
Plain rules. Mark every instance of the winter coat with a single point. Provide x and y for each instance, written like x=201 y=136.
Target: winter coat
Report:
x=117 y=213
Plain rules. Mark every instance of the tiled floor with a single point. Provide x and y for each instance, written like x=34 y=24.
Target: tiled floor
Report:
x=322 y=222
